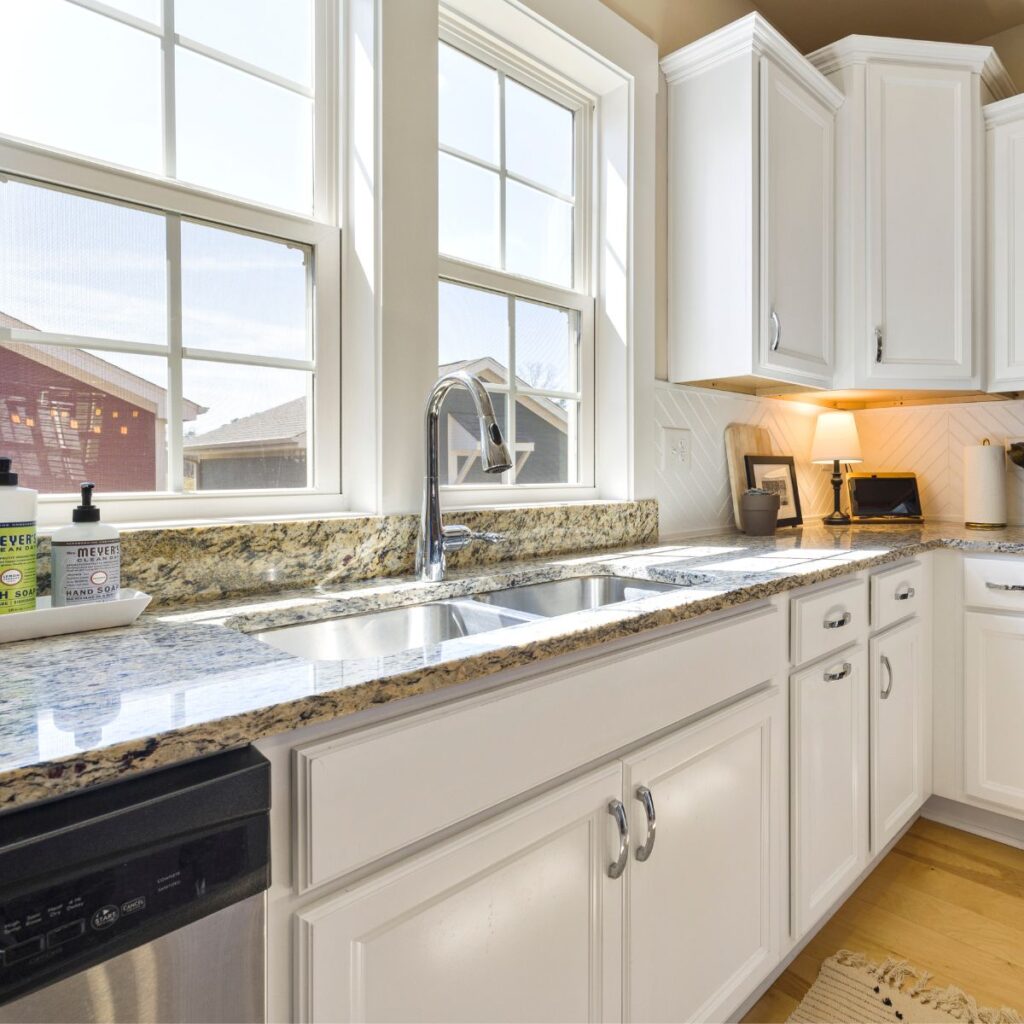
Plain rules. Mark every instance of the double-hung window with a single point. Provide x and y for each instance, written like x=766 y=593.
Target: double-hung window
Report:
x=169 y=249
x=516 y=304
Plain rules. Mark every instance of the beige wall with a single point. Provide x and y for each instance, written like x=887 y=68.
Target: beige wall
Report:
x=1010 y=47
x=674 y=23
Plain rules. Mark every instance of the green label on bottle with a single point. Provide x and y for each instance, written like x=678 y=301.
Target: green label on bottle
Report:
x=17 y=567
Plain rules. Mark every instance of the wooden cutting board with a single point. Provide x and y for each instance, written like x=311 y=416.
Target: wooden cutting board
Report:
x=743 y=439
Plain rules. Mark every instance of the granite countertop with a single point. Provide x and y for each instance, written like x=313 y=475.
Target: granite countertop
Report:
x=94 y=707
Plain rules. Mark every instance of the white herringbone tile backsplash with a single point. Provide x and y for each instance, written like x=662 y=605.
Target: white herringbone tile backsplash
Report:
x=696 y=497
x=929 y=440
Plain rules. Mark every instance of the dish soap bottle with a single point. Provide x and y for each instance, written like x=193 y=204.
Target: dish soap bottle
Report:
x=17 y=543
x=86 y=557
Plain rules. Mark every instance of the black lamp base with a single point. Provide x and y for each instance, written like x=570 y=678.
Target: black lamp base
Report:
x=837 y=517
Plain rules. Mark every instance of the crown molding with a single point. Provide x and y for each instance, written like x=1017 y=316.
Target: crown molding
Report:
x=981 y=60
x=1006 y=111
x=751 y=34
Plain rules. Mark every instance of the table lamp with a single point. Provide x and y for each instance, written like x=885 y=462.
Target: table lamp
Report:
x=836 y=441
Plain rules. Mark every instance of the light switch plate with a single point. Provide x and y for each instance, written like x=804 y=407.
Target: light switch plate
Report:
x=675 y=448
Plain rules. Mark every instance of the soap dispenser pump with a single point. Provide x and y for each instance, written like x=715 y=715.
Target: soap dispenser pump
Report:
x=86 y=557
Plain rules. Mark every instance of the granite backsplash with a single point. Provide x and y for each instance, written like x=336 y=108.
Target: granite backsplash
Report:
x=186 y=564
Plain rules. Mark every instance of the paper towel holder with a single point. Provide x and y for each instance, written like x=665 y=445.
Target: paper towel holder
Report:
x=993 y=524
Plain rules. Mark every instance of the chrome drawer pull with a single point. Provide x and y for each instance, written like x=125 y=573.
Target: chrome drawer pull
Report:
x=904 y=595
x=618 y=812
x=1014 y=587
x=776 y=332
x=844 y=620
x=834 y=677
x=643 y=794
x=888 y=668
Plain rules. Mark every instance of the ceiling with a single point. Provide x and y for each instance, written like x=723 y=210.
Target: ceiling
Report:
x=809 y=24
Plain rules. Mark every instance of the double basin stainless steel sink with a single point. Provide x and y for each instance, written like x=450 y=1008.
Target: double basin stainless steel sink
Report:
x=376 y=634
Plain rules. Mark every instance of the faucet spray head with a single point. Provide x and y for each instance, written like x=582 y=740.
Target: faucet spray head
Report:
x=494 y=453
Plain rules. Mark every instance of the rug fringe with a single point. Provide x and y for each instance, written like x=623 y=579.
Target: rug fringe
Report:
x=949 y=1000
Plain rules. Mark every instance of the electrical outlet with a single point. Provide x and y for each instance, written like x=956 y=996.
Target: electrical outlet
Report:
x=675 y=448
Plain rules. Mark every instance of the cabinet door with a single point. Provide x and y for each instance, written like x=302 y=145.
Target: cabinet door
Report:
x=1006 y=283
x=702 y=918
x=994 y=708
x=920 y=212
x=829 y=782
x=797 y=154
x=897 y=740
x=515 y=920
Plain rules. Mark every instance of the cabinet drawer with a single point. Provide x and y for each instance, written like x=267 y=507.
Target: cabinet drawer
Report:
x=825 y=620
x=994 y=583
x=368 y=794
x=897 y=593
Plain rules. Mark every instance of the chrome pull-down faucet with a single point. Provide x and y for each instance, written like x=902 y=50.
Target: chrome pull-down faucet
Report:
x=435 y=538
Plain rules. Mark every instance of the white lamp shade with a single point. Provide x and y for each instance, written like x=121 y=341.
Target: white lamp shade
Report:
x=835 y=437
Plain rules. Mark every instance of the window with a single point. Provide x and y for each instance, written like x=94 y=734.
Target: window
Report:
x=515 y=305
x=169 y=250
x=219 y=95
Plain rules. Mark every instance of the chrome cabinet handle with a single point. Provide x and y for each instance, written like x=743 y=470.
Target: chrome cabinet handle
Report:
x=1014 y=587
x=776 y=332
x=878 y=344
x=844 y=620
x=904 y=595
x=618 y=812
x=643 y=794
x=888 y=668
x=834 y=677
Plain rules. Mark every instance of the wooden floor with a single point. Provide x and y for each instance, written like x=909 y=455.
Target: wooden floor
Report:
x=947 y=901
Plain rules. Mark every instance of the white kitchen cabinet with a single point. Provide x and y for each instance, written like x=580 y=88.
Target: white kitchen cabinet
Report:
x=703 y=908
x=910 y=212
x=750 y=171
x=898 y=720
x=994 y=709
x=516 y=919
x=1004 y=123
x=828 y=783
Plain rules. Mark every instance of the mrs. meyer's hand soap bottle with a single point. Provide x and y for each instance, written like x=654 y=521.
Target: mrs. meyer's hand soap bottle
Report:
x=85 y=557
x=17 y=543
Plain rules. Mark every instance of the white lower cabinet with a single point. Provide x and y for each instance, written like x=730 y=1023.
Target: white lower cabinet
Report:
x=829 y=782
x=897 y=722
x=514 y=920
x=523 y=917
x=702 y=909
x=994 y=708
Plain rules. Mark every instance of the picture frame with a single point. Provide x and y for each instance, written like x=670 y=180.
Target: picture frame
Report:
x=777 y=473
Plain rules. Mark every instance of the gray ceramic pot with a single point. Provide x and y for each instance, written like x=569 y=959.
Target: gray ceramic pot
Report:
x=759 y=512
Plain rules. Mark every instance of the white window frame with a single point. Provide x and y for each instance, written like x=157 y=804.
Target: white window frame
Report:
x=44 y=166
x=505 y=58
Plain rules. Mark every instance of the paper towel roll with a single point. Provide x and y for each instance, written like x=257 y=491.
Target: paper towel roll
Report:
x=984 y=486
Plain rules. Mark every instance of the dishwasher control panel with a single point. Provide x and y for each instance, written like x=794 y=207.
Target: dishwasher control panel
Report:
x=57 y=927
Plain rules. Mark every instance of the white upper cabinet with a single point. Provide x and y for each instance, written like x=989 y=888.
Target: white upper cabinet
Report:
x=909 y=211
x=750 y=226
x=1004 y=123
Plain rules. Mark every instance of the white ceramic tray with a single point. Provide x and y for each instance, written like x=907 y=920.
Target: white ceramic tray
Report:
x=75 y=618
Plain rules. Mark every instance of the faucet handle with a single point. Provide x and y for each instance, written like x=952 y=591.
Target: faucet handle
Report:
x=456 y=537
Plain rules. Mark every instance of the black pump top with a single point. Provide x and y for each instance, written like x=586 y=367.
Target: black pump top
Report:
x=87 y=512
x=7 y=478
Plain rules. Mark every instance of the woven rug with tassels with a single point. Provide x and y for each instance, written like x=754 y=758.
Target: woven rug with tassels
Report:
x=849 y=988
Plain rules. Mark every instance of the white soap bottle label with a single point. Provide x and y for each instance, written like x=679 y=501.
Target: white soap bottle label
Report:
x=86 y=571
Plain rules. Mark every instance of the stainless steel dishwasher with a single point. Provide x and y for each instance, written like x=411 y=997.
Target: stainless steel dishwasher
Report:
x=140 y=901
